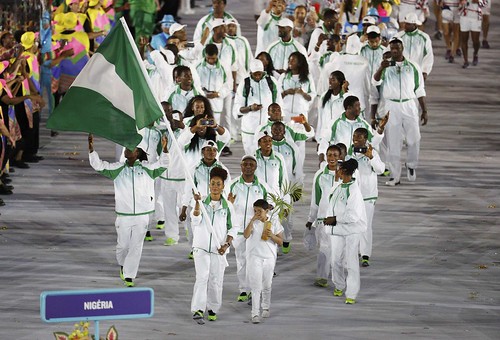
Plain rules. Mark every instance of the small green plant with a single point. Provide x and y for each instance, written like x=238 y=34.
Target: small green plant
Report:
x=81 y=332
x=281 y=206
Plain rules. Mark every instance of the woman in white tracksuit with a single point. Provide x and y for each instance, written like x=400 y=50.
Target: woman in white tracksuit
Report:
x=201 y=178
x=323 y=182
x=212 y=236
x=369 y=166
x=345 y=222
x=134 y=202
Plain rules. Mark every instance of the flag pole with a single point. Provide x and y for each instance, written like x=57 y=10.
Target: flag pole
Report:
x=189 y=178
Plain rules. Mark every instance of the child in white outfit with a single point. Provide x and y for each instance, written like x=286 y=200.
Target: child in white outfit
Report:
x=263 y=236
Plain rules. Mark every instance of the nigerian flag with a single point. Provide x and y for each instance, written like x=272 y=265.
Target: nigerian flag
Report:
x=111 y=96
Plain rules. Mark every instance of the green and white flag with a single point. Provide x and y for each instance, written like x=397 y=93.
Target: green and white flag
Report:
x=111 y=96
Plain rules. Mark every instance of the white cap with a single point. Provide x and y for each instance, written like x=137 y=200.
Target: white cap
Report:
x=248 y=157
x=412 y=18
x=285 y=22
x=396 y=39
x=175 y=28
x=232 y=21
x=256 y=66
x=169 y=55
x=262 y=134
x=217 y=22
x=209 y=144
x=373 y=29
x=353 y=45
x=369 y=20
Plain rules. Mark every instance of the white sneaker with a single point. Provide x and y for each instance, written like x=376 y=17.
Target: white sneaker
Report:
x=392 y=182
x=255 y=319
x=411 y=174
x=266 y=313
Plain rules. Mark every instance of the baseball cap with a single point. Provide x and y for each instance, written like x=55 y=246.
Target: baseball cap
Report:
x=248 y=157
x=411 y=18
x=256 y=66
x=373 y=29
x=232 y=21
x=175 y=27
x=209 y=144
x=285 y=22
x=217 y=22
x=395 y=40
x=369 y=20
x=167 y=21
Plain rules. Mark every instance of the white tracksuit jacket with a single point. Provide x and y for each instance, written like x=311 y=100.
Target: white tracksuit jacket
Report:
x=293 y=132
x=323 y=182
x=332 y=110
x=180 y=98
x=290 y=152
x=206 y=21
x=357 y=73
x=342 y=131
x=295 y=104
x=272 y=170
x=267 y=30
x=227 y=53
x=280 y=51
x=216 y=78
x=134 y=185
x=260 y=93
x=401 y=83
x=201 y=178
x=417 y=46
x=366 y=174
x=222 y=223
x=244 y=55
x=246 y=195
x=346 y=204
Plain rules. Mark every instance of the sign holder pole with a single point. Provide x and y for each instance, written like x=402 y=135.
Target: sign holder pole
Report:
x=96 y=329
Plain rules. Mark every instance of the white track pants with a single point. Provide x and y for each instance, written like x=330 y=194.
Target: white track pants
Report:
x=241 y=263
x=207 y=291
x=345 y=257
x=130 y=231
x=288 y=227
x=403 y=123
x=248 y=143
x=171 y=194
x=366 y=240
x=324 y=262
x=260 y=277
x=159 y=214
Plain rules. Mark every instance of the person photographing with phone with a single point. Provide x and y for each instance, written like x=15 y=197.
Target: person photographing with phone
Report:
x=401 y=82
x=369 y=166
x=201 y=129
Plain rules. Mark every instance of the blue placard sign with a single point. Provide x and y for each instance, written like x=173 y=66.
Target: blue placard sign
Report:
x=104 y=304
